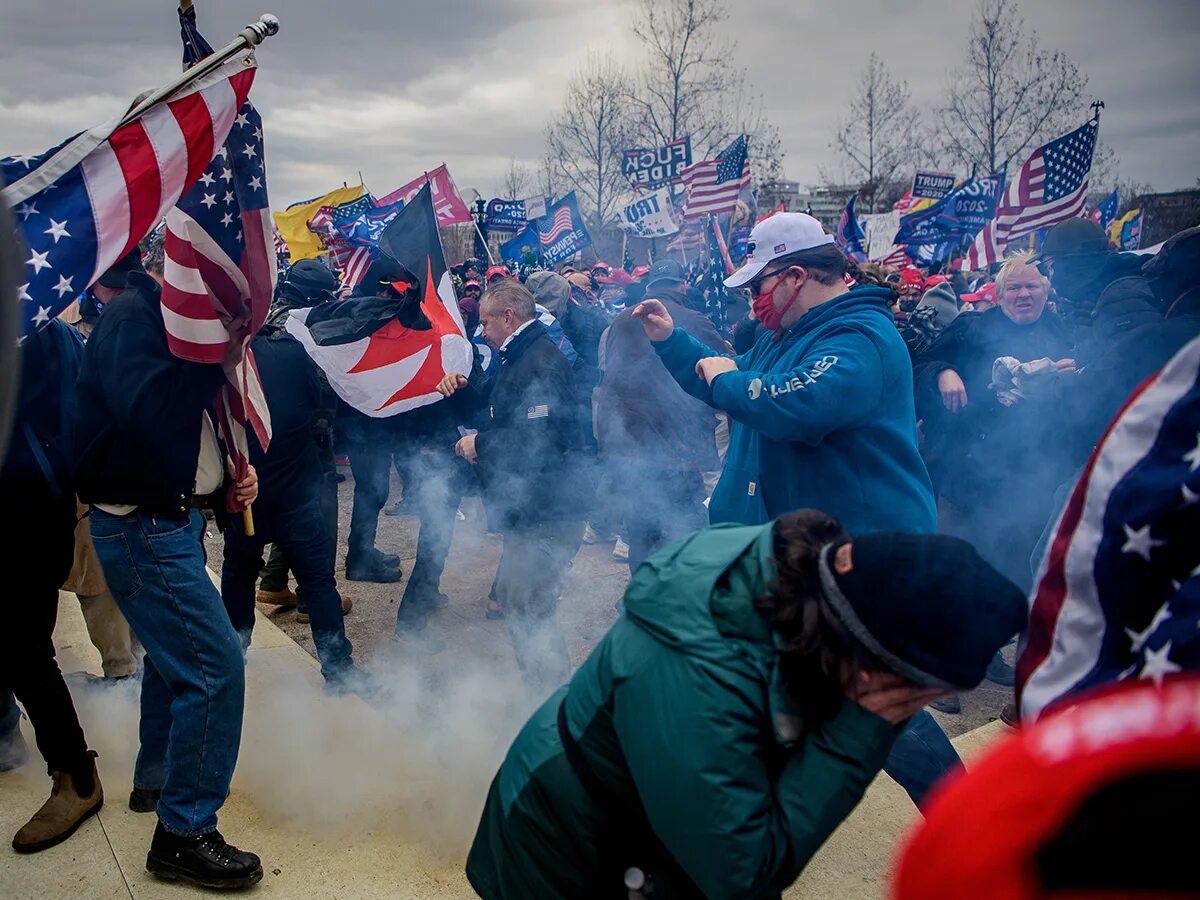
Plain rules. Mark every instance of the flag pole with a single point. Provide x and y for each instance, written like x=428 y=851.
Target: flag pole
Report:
x=250 y=36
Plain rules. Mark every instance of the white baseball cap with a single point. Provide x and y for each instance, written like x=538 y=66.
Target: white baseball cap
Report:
x=779 y=235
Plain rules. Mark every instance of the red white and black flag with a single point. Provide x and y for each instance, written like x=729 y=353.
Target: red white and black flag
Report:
x=385 y=353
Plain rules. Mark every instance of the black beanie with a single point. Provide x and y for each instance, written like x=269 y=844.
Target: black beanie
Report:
x=114 y=277
x=927 y=605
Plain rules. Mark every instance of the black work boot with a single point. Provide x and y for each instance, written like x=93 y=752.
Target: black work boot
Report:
x=205 y=860
x=371 y=567
x=144 y=800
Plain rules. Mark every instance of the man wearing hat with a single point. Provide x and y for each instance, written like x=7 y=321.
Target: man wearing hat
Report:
x=822 y=404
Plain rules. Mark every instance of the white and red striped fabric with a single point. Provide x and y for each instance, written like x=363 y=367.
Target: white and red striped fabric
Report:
x=219 y=274
x=1051 y=187
x=714 y=185
x=561 y=224
x=359 y=261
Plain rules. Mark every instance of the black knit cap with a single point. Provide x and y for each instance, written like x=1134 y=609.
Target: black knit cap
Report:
x=116 y=274
x=926 y=605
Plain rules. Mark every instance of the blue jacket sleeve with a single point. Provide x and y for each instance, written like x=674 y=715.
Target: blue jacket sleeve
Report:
x=837 y=385
x=680 y=353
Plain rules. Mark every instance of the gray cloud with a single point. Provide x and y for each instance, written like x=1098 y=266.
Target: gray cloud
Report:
x=393 y=88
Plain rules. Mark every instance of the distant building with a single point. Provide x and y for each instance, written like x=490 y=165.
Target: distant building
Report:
x=785 y=192
x=1166 y=214
x=827 y=201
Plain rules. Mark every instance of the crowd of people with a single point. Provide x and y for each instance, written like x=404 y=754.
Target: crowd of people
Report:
x=831 y=482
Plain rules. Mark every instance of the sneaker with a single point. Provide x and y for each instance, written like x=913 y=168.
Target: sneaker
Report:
x=950 y=704
x=74 y=798
x=14 y=752
x=1001 y=673
x=144 y=800
x=284 y=599
x=592 y=536
x=205 y=860
x=621 y=551
x=397 y=509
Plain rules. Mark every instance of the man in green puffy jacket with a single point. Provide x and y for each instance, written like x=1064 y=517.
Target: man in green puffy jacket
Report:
x=725 y=726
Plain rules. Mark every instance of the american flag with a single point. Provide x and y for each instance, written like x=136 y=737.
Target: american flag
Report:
x=1118 y=593
x=713 y=185
x=690 y=237
x=1051 y=187
x=219 y=266
x=549 y=232
x=83 y=205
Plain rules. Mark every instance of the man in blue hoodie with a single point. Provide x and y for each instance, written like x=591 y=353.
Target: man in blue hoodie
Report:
x=822 y=404
x=823 y=415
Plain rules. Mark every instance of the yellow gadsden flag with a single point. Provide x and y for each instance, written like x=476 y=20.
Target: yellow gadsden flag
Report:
x=293 y=221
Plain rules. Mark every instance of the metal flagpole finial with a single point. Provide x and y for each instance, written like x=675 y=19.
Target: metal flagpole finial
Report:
x=1097 y=105
x=257 y=32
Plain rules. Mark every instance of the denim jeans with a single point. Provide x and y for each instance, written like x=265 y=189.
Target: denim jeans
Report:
x=921 y=757
x=661 y=505
x=10 y=715
x=194 y=681
x=303 y=535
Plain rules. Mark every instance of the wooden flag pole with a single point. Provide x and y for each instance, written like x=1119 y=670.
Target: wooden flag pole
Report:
x=248 y=521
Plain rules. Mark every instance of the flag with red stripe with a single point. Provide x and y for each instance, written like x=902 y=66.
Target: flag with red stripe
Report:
x=83 y=205
x=1051 y=187
x=714 y=185
x=1118 y=593
x=219 y=266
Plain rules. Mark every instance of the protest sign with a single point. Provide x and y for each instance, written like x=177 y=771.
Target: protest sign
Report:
x=505 y=215
x=649 y=216
x=651 y=168
x=932 y=185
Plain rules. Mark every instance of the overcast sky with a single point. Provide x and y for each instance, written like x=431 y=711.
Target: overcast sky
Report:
x=394 y=88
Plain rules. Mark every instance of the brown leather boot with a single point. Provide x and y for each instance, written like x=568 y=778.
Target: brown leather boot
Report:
x=74 y=797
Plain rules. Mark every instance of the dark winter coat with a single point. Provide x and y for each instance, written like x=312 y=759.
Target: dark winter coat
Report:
x=37 y=464
x=289 y=473
x=137 y=434
x=822 y=418
x=641 y=413
x=690 y=762
x=971 y=452
x=1132 y=341
x=529 y=445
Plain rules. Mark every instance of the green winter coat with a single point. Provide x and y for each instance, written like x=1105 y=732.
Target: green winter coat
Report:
x=698 y=773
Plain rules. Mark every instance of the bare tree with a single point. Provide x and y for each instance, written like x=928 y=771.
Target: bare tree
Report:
x=689 y=86
x=879 y=135
x=584 y=141
x=1010 y=95
x=516 y=182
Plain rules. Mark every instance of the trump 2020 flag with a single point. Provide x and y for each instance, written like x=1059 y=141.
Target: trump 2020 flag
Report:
x=373 y=360
x=849 y=234
x=1118 y=593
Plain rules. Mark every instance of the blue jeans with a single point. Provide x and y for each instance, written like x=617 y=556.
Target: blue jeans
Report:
x=921 y=756
x=10 y=715
x=303 y=535
x=194 y=681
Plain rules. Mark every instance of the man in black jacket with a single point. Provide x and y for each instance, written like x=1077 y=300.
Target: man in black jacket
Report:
x=655 y=438
x=147 y=460
x=289 y=510
x=528 y=457
x=37 y=554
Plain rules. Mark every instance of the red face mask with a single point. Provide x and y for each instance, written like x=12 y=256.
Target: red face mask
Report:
x=765 y=311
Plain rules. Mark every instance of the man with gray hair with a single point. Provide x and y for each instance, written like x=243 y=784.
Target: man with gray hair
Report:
x=988 y=459
x=528 y=454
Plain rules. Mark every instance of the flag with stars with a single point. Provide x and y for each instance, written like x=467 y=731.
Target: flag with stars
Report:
x=714 y=185
x=84 y=204
x=1051 y=187
x=1118 y=593
x=219 y=265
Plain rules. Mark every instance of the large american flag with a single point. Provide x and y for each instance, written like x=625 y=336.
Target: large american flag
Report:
x=551 y=231
x=713 y=185
x=83 y=205
x=1051 y=187
x=1118 y=594
x=219 y=266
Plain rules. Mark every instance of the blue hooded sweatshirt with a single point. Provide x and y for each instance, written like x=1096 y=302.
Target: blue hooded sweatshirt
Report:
x=823 y=417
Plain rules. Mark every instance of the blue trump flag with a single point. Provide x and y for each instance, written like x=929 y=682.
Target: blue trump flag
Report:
x=1107 y=210
x=361 y=221
x=957 y=217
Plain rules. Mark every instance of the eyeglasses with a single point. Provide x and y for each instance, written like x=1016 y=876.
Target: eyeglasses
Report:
x=757 y=283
